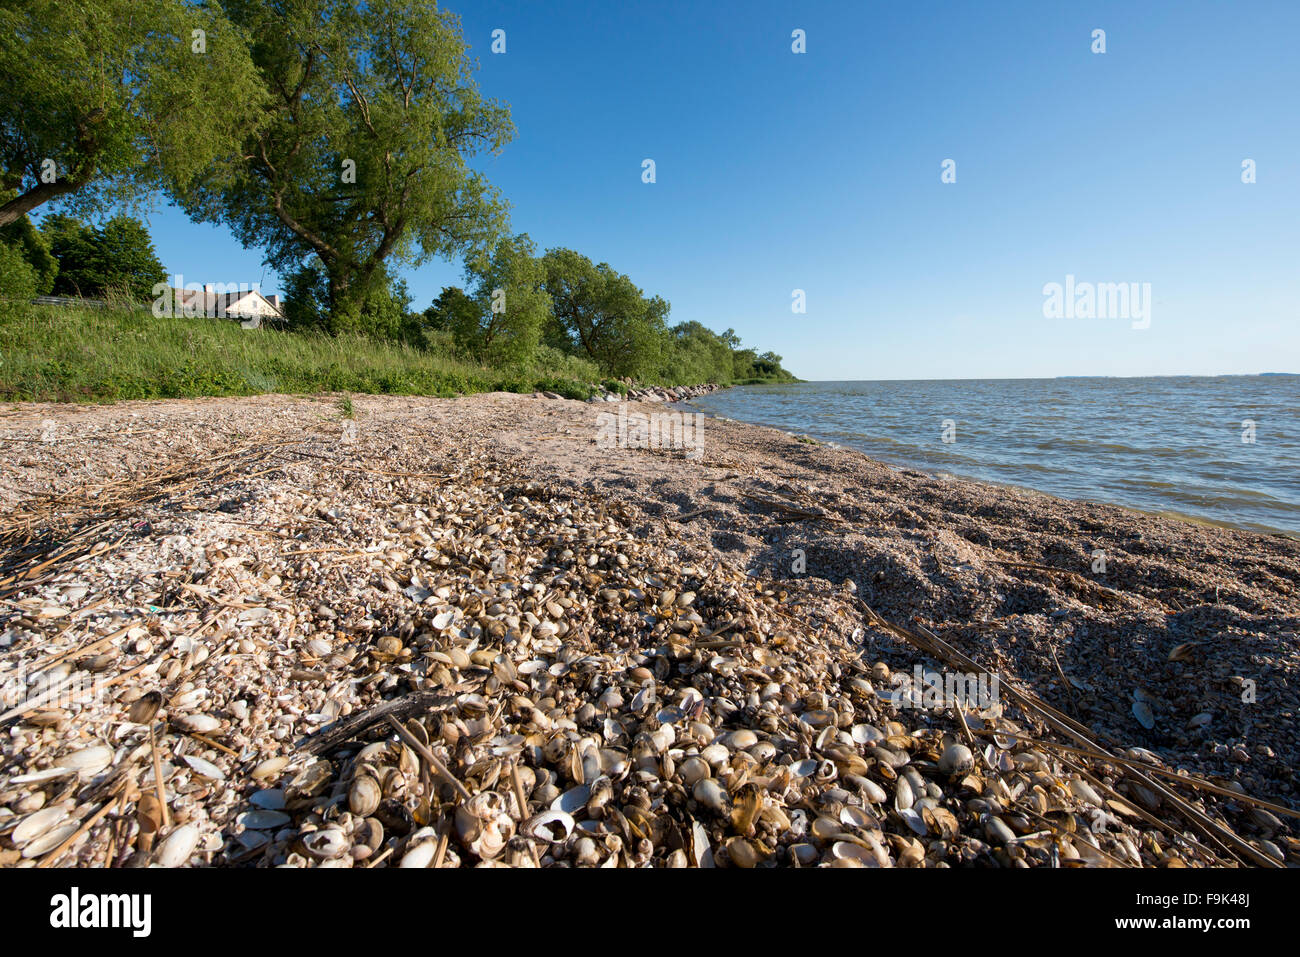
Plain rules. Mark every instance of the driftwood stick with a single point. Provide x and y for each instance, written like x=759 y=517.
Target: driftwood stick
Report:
x=157 y=779
x=340 y=732
x=429 y=756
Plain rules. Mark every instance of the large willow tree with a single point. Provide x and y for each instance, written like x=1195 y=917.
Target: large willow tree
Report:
x=364 y=153
x=104 y=101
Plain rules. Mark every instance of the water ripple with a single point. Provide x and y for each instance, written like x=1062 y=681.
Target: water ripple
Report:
x=1160 y=444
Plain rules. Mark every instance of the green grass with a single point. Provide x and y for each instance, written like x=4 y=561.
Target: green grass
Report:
x=73 y=354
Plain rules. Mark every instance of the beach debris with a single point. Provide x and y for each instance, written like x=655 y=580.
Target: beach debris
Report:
x=396 y=659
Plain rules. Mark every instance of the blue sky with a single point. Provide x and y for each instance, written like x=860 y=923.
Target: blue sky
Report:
x=821 y=171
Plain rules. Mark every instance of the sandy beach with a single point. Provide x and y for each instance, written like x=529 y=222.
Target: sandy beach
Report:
x=272 y=568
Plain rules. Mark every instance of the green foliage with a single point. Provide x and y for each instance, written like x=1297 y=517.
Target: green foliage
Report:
x=697 y=354
x=363 y=156
x=384 y=314
x=117 y=258
x=510 y=304
x=27 y=268
x=80 y=354
x=600 y=313
x=306 y=295
x=114 y=93
x=453 y=308
x=568 y=388
x=548 y=360
x=336 y=135
x=17 y=277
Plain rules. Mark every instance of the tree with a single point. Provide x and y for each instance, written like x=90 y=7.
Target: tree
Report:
x=600 y=313
x=117 y=258
x=363 y=155
x=510 y=303
x=27 y=267
x=697 y=355
x=452 y=307
x=305 y=298
x=108 y=99
x=383 y=314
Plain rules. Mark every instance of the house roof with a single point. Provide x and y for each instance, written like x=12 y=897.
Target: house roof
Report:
x=220 y=304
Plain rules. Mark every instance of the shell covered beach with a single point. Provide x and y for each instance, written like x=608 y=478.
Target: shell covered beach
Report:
x=406 y=632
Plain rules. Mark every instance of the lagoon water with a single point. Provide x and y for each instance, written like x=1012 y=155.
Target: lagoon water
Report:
x=1168 y=445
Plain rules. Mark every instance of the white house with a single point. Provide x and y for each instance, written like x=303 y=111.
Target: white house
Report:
x=243 y=303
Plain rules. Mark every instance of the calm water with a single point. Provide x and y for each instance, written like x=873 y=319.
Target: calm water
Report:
x=1161 y=444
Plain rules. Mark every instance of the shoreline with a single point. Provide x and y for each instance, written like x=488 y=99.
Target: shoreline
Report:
x=944 y=475
x=283 y=504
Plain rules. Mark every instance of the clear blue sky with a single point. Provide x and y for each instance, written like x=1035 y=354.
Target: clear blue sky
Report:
x=821 y=171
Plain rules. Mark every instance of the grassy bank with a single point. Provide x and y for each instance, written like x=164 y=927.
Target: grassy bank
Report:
x=74 y=354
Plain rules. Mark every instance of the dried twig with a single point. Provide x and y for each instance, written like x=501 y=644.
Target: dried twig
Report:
x=429 y=756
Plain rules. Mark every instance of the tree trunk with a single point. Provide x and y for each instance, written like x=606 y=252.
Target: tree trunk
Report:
x=20 y=206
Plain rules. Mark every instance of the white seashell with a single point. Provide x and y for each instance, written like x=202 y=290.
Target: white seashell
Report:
x=325 y=844
x=866 y=734
x=88 y=761
x=188 y=699
x=552 y=826
x=700 y=845
x=572 y=799
x=419 y=856
x=51 y=839
x=270 y=769
x=198 y=723
x=693 y=769
x=261 y=820
x=319 y=647
x=204 y=768
x=364 y=795
x=1081 y=789
x=903 y=796
x=37 y=776
x=716 y=756
x=914 y=821
x=34 y=825
x=710 y=793
x=956 y=759
x=857 y=817
x=872 y=791
x=180 y=844
x=741 y=740
x=663 y=737
x=842 y=850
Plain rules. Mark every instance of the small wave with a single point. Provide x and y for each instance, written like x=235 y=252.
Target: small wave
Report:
x=1088 y=440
